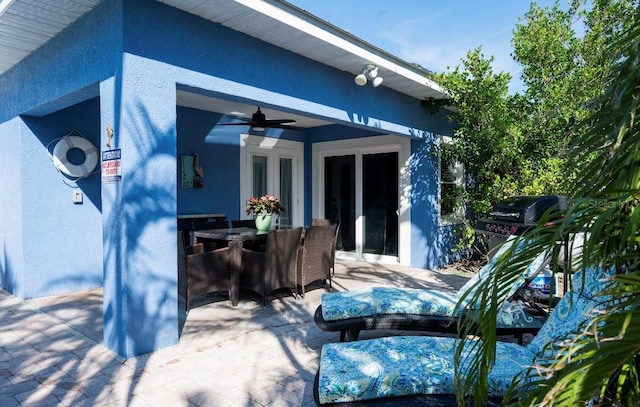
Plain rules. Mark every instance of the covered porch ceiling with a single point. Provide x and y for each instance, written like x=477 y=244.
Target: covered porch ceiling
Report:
x=231 y=108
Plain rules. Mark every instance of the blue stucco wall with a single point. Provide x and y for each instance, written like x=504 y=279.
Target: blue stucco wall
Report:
x=11 y=211
x=50 y=243
x=61 y=72
x=75 y=261
x=134 y=54
x=220 y=161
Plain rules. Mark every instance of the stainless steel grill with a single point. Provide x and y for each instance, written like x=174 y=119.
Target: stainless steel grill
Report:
x=515 y=215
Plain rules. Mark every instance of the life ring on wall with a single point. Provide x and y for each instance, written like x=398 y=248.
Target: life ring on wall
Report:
x=63 y=164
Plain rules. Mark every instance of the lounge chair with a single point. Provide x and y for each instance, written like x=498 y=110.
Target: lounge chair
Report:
x=350 y=312
x=420 y=369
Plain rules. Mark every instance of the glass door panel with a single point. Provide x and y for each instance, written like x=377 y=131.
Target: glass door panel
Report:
x=259 y=176
x=286 y=191
x=340 y=197
x=271 y=166
x=380 y=203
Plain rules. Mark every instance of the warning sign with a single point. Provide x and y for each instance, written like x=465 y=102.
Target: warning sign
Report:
x=111 y=166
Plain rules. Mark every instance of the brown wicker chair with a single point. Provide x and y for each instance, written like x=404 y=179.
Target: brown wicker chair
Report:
x=315 y=258
x=275 y=268
x=325 y=222
x=205 y=271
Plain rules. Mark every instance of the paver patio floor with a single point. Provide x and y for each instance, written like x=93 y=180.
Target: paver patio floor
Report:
x=51 y=350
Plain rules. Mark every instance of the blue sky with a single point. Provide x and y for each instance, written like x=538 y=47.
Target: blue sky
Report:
x=434 y=34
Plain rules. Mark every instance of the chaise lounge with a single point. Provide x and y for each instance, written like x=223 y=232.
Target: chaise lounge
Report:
x=350 y=312
x=419 y=370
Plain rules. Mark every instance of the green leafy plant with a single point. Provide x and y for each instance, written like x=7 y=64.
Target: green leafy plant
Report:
x=264 y=205
x=600 y=361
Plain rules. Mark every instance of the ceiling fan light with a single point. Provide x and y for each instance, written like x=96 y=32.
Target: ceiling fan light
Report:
x=361 y=80
x=377 y=82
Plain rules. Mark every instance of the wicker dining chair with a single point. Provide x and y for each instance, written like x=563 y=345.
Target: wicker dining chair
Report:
x=203 y=271
x=275 y=268
x=316 y=256
x=336 y=222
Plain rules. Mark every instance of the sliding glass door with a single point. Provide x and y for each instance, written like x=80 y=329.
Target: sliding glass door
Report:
x=362 y=191
x=380 y=203
x=340 y=197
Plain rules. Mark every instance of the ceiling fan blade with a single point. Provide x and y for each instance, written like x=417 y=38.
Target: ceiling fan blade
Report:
x=279 y=121
x=284 y=126
x=258 y=119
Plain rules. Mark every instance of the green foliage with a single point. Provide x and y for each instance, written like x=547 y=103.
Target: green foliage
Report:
x=598 y=363
x=466 y=238
x=519 y=144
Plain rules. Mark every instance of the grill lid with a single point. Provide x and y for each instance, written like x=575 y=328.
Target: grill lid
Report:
x=526 y=209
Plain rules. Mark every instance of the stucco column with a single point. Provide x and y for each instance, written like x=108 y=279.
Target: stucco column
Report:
x=139 y=209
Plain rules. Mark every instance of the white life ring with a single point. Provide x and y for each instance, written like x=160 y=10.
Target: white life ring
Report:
x=63 y=164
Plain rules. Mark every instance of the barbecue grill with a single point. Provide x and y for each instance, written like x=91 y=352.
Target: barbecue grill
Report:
x=516 y=215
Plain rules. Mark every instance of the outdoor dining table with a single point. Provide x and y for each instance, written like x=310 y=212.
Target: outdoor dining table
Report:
x=235 y=237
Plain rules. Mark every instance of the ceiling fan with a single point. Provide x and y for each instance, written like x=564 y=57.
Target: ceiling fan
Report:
x=259 y=122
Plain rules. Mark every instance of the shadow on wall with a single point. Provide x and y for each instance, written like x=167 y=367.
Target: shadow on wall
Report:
x=140 y=304
x=84 y=118
x=66 y=235
x=431 y=243
x=7 y=277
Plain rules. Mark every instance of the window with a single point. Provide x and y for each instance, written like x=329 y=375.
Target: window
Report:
x=451 y=184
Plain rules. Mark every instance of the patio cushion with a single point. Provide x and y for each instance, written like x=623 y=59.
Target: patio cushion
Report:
x=574 y=309
x=393 y=300
x=590 y=282
x=386 y=300
x=413 y=365
x=404 y=365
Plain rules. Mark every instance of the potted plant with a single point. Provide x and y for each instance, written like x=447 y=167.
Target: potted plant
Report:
x=263 y=209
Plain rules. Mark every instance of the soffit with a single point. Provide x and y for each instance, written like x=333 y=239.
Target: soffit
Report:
x=25 y=25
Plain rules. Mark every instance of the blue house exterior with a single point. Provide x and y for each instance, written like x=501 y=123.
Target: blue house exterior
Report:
x=148 y=79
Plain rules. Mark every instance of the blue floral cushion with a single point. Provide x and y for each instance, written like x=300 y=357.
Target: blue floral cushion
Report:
x=569 y=314
x=404 y=365
x=590 y=282
x=386 y=300
x=575 y=309
x=393 y=300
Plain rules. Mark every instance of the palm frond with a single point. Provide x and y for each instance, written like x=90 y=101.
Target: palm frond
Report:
x=598 y=361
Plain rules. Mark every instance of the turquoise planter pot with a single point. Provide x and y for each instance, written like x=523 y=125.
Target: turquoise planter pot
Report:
x=263 y=222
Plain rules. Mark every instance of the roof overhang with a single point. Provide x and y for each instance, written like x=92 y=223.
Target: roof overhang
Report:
x=26 y=25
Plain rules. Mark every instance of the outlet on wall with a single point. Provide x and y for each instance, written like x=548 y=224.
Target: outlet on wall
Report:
x=77 y=196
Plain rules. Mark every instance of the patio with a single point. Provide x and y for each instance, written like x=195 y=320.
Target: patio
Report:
x=249 y=355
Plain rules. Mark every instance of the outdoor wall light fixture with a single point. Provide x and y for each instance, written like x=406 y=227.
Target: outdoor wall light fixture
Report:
x=369 y=72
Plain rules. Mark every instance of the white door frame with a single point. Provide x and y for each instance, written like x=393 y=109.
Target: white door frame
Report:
x=360 y=147
x=273 y=149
